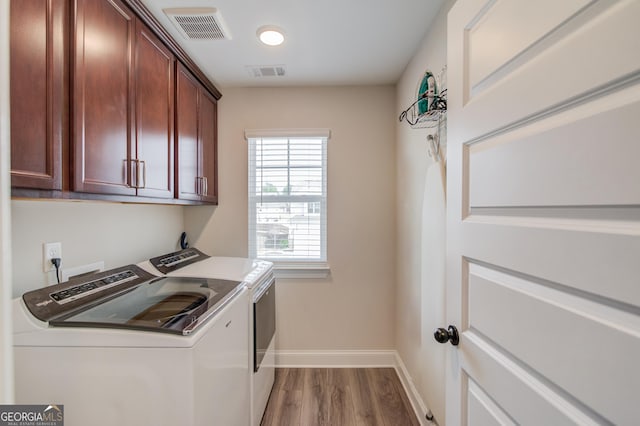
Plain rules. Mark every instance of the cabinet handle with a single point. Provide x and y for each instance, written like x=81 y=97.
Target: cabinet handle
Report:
x=202 y=185
x=140 y=171
x=132 y=164
x=142 y=165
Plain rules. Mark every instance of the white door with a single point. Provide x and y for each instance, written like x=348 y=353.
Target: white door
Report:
x=543 y=219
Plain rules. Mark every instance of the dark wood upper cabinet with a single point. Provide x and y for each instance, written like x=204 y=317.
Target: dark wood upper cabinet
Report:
x=187 y=170
x=154 y=65
x=98 y=112
x=123 y=104
x=208 y=142
x=103 y=108
x=39 y=102
x=196 y=139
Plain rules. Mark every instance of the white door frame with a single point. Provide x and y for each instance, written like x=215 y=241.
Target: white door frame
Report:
x=6 y=326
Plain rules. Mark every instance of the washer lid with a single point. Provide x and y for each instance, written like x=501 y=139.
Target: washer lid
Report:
x=173 y=305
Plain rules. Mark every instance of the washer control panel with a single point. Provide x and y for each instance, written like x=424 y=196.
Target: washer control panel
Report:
x=179 y=258
x=78 y=293
x=173 y=261
x=86 y=289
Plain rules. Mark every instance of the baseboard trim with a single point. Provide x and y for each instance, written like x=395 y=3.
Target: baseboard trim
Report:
x=419 y=407
x=362 y=359
x=335 y=359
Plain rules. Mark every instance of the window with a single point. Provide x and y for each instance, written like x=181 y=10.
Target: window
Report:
x=288 y=196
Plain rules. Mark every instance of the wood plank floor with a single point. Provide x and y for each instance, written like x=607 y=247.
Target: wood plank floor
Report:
x=338 y=397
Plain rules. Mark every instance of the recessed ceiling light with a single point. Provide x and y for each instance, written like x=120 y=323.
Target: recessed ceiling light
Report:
x=270 y=35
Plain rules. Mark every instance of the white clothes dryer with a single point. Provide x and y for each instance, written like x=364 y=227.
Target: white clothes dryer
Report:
x=260 y=282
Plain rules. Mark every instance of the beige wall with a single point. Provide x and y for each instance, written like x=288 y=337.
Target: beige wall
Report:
x=117 y=234
x=355 y=307
x=420 y=298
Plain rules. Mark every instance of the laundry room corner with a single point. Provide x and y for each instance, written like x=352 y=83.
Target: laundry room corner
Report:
x=421 y=204
x=361 y=175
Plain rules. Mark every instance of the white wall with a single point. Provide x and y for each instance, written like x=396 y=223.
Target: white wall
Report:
x=420 y=298
x=117 y=234
x=6 y=354
x=355 y=307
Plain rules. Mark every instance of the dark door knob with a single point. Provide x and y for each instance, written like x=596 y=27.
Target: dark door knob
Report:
x=443 y=335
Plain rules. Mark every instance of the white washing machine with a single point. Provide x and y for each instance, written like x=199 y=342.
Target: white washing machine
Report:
x=259 y=280
x=124 y=347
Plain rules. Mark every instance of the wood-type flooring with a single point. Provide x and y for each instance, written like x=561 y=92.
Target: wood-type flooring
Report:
x=338 y=397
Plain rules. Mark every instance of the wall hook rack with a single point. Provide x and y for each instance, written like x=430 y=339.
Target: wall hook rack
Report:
x=430 y=106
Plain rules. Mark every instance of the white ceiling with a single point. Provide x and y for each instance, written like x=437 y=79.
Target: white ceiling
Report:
x=328 y=42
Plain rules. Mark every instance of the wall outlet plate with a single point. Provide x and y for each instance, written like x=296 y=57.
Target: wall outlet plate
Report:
x=50 y=251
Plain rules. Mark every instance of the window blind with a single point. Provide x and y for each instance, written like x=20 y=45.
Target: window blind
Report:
x=288 y=196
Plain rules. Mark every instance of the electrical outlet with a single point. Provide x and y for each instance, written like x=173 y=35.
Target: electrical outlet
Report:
x=50 y=251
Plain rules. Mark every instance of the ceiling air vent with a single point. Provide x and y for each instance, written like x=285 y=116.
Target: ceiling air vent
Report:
x=266 y=70
x=199 y=23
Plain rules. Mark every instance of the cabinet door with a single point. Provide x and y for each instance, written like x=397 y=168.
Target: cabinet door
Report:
x=103 y=97
x=188 y=181
x=38 y=92
x=208 y=147
x=154 y=65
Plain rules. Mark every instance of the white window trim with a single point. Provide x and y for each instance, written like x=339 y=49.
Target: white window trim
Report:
x=285 y=268
x=301 y=269
x=286 y=133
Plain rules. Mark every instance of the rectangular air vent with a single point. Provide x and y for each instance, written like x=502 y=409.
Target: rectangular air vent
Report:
x=266 y=70
x=199 y=23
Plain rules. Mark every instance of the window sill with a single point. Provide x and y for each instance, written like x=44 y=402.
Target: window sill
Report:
x=312 y=270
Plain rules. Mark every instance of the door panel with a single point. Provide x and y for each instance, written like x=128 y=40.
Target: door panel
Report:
x=186 y=135
x=517 y=392
x=38 y=92
x=209 y=144
x=510 y=28
x=103 y=97
x=552 y=77
x=589 y=153
x=566 y=335
x=482 y=410
x=154 y=114
x=583 y=256
x=543 y=215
